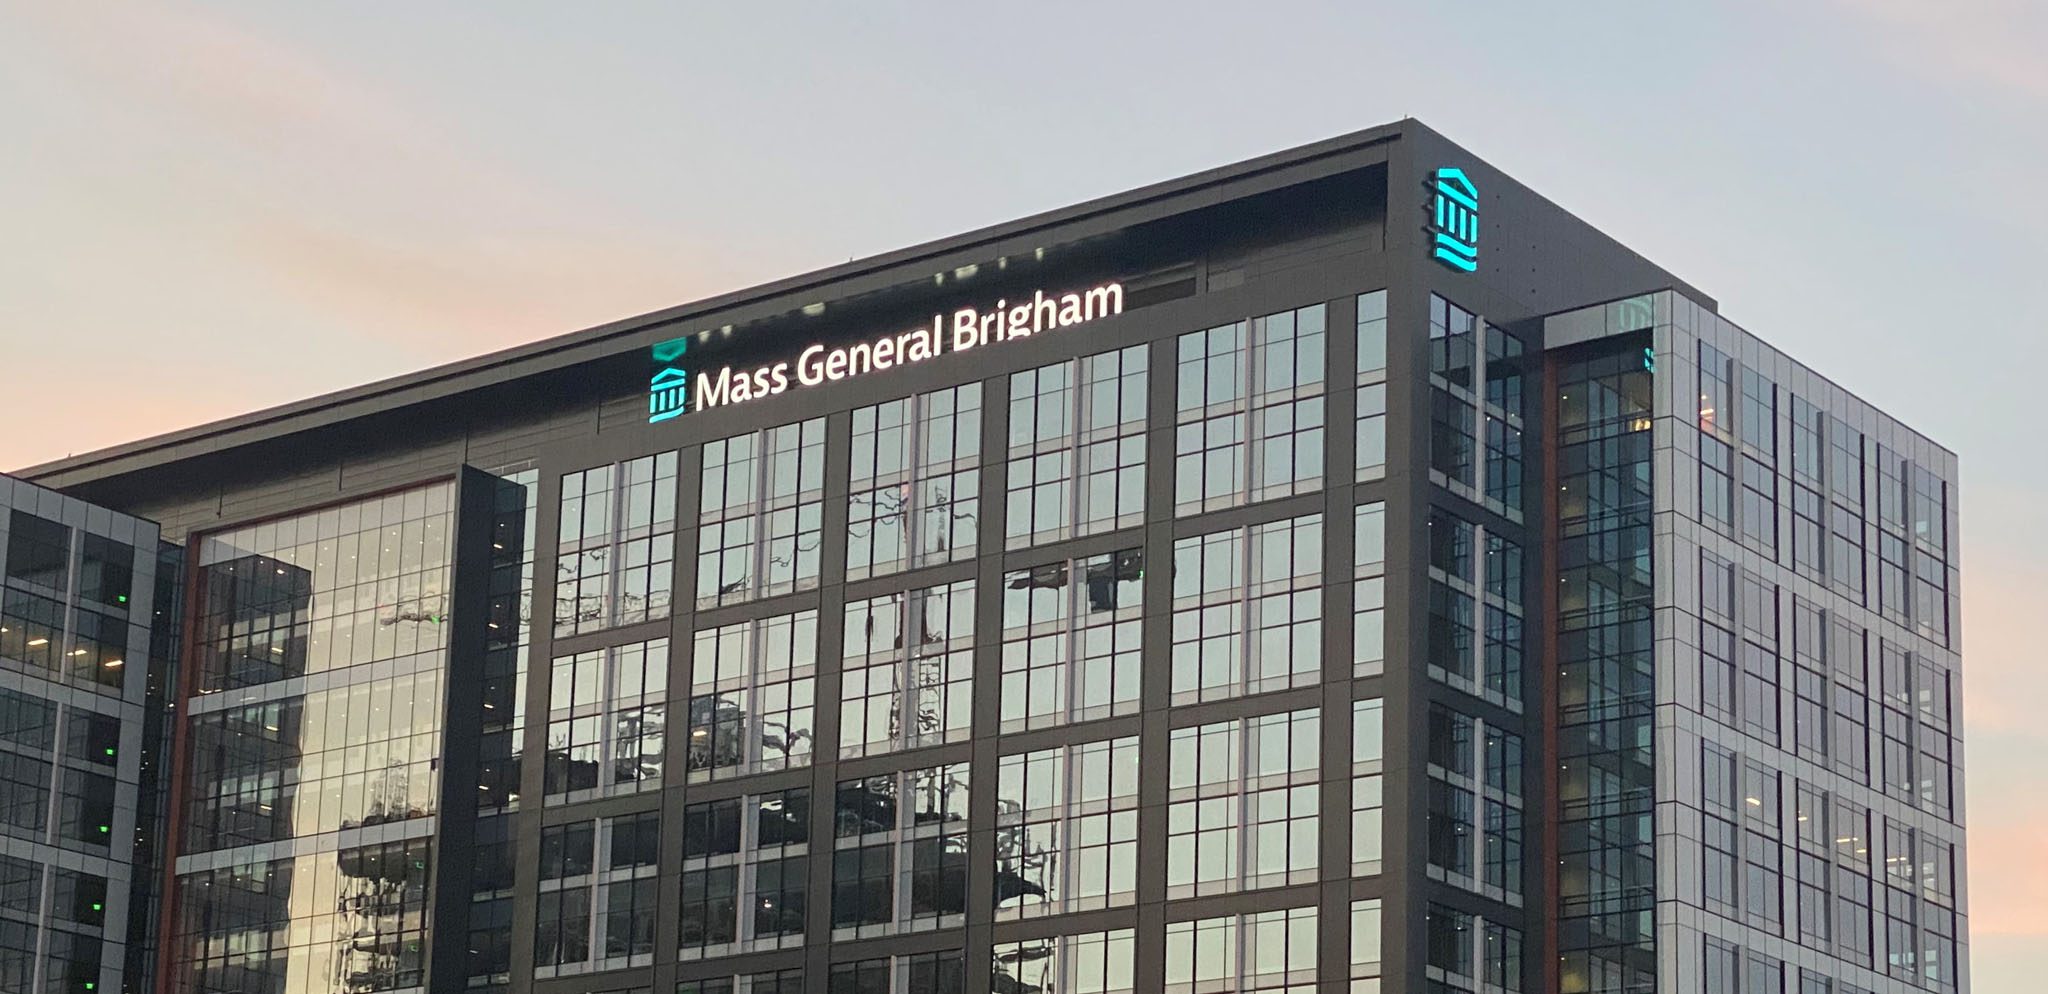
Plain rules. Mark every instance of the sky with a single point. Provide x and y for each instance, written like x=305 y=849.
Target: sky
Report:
x=213 y=209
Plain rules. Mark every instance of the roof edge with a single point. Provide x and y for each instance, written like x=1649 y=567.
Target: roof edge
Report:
x=446 y=379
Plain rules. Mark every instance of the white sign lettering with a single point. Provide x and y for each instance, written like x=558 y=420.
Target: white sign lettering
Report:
x=968 y=328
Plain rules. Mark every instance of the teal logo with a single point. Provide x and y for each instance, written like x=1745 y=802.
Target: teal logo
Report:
x=668 y=390
x=1455 y=220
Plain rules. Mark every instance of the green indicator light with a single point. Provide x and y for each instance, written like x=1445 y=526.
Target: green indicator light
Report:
x=96 y=906
x=104 y=829
x=121 y=598
x=110 y=750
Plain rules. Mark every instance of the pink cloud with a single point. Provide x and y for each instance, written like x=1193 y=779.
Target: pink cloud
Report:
x=1985 y=41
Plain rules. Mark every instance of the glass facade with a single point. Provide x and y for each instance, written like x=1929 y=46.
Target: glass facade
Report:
x=1607 y=784
x=1782 y=605
x=320 y=654
x=83 y=623
x=1030 y=670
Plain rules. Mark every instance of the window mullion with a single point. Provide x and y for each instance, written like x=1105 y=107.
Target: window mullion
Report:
x=760 y=515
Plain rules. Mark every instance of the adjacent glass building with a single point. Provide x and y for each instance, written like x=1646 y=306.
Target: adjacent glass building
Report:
x=88 y=603
x=1340 y=571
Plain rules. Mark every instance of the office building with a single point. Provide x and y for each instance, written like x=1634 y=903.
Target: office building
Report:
x=87 y=609
x=1340 y=571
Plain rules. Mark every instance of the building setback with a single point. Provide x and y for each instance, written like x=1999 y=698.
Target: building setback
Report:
x=1340 y=571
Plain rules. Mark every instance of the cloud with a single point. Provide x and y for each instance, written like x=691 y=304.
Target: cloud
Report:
x=2009 y=874
x=293 y=197
x=463 y=292
x=1996 y=42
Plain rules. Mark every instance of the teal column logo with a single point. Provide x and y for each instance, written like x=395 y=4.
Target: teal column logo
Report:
x=1455 y=220
x=668 y=389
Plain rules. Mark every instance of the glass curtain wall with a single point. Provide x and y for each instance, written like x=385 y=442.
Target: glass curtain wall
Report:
x=315 y=729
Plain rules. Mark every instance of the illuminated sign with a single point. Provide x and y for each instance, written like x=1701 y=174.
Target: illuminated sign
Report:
x=673 y=391
x=668 y=391
x=1455 y=220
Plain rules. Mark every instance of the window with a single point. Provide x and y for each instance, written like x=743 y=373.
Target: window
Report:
x=1466 y=951
x=1716 y=391
x=1722 y=967
x=1366 y=931
x=1475 y=836
x=38 y=552
x=1759 y=702
x=1759 y=422
x=1902 y=952
x=1368 y=751
x=1372 y=335
x=597 y=895
x=753 y=696
x=915 y=497
x=1247 y=610
x=508 y=636
x=1927 y=509
x=916 y=973
x=1763 y=974
x=1451 y=333
x=1451 y=439
x=1845 y=551
x=1371 y=454
x=1814 y=901
x=1249 y=410
x=1717 y=483
x=1452 y=650
x=1851 y=824
x=1255 y=777
x=1759 y=507
x=790 y=981
x=908 y=670
x=607 y=720
x=900 y=857
x=371 y=927
x=1071 y=640
x=1077 y=448
x=1809 y=457
x=1810 y=715
x=616 y=561
x=1763 y=873
x=1503 y=421
x=1267 y=951
x=106 y=571
x=32 y=630
x=744 y=873
x=1088 y=963
x=1504 y=371
x=85 y=811
x=1720 y=837
x=300 y=766
x=99 y=650
x=1809 y=533
x=1468 y=591
x=1067 y=829
x=1853 y=918
x=761 y=513
x=1718 y=681
x=1369 y=590
x=1503 y=462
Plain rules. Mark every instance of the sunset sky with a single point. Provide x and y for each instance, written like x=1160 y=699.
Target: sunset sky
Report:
x=211 y=211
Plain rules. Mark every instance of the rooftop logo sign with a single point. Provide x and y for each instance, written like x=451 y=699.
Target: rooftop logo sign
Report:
x=668 y=391
x=672 y=390
x=1455 y=220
